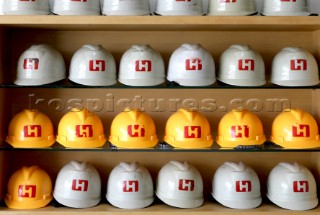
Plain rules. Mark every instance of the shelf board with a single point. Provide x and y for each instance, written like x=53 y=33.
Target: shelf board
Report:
x=163 y=23
x=67 y=84
x=206 y=209
x=267 y=147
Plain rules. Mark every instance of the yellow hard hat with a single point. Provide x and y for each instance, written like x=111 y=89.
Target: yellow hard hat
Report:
x=188 y=129
x=30 y=129
x=240 y=128
x=81 y=129
x=29 y=188
x=295 y=129
x=133 y=129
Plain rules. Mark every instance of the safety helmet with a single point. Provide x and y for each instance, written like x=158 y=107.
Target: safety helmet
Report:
x=29 y=188
x=141 y=65
x=92 y=65
x=2 y=7
x=292 y=186
x=179 y=8
x=179 y=184
x=18 y=7
x=188 y=129
x=126 y=8
x=81 y=129
x=30 y=129
x=295 y=129
x=240 y=128
x=285 y=8
x=191 y=65
x=294 y=66
x=241 y=66
x=78 y=7
x=130 y=186
x=232 y=7
x=39 y=65
x=133 y=129
x=236 y=185
x=78 y=185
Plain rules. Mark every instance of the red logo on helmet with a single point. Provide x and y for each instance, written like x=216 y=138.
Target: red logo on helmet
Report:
x=246 y=65
x=228 y=1
x=299 y=65
x=240 y=131
x=84 y=131
x=27 y=191
x=186 y=185
x=136 y=131
x=80 y=185
x=31 y=63
x=243 y=186
x=300 y=186
x=301 y=131
x=32 y=131
x=97 y=65
x=193 y=64
x=130 y=186
x=288 y=0
x=143 y=66
x=192 y=131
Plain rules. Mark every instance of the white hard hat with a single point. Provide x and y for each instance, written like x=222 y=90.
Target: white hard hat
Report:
x=232 y=8
x=237 y=186
x=180 y=185
x=1 y=7
x=79 y=7
x=126 y=8
x=130 y=186
x=292 y=186
x=241 y=66
x=191 y=65
x=285 y=8
x=26 y=7
x=294 y=66
x=92 y=65
x=141 y=65
x=78 y=185
x=179 y=8
x=39 y=65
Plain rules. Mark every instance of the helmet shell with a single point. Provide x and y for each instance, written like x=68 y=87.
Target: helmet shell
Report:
x=179 y=184
x=292 y=186
x=191 y=65
x=92 y=65
x=130 y=186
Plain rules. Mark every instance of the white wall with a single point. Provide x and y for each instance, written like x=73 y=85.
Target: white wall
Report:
x=314 y=5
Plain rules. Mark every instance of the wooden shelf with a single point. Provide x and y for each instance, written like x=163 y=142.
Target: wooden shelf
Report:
x=206 y=209
x=165 y=23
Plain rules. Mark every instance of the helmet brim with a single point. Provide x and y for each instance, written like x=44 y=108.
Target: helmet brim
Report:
x=94 y=82
x=297 y=205
x=243 y=82
x=181 y=203
x=240 y=203
x=27 y=204
x=296 y=83
x=193 y=82
x=76 y=203
x=129 y=204
x=31 y=144
x=286 y=13
x=232 y=144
